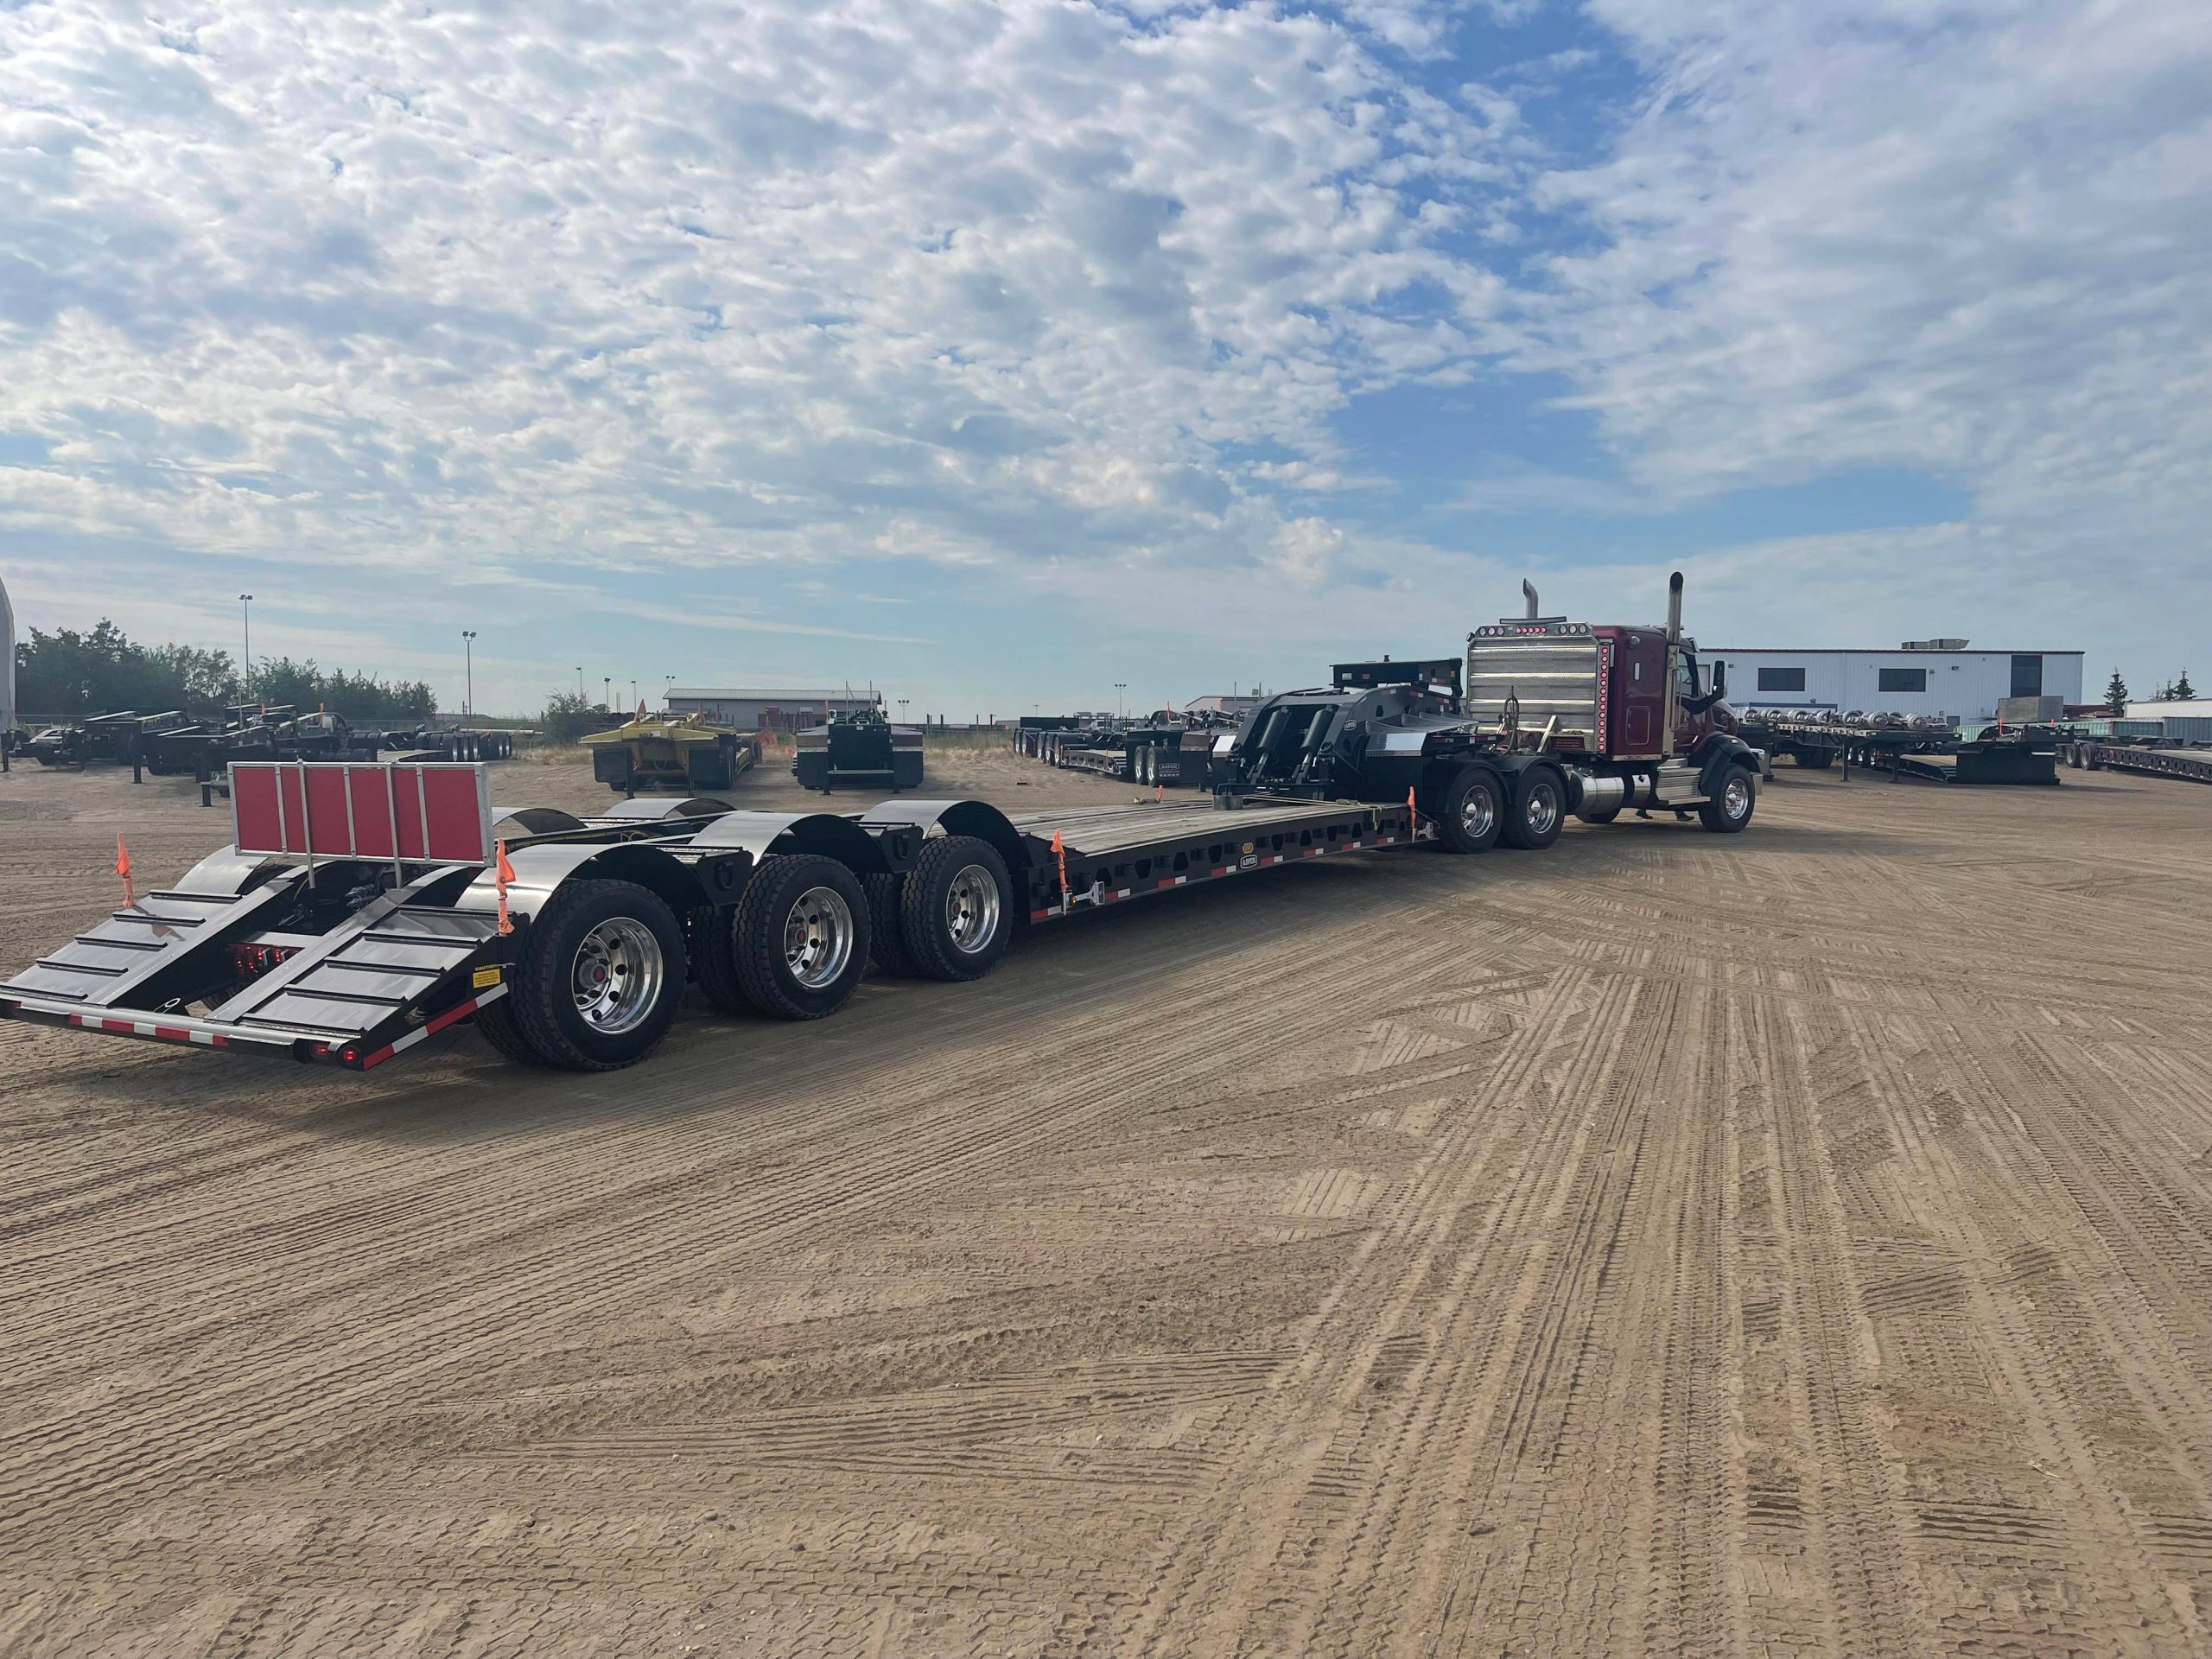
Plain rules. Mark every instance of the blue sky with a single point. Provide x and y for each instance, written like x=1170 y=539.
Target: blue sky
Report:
x=997 y=353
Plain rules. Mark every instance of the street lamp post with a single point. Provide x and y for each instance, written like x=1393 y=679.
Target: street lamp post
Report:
x=607 y=692
x=668 y=697
x=902 y=711
x=580 y=682
x=245 y=604
x=468 y=658
x=1120 y=686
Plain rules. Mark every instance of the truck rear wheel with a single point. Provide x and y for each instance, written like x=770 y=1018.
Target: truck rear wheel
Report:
x=957 y=909
x=597 y=982
x=1539 y=810
x=1474 y=811
x=1729 y=807
x=799 y=937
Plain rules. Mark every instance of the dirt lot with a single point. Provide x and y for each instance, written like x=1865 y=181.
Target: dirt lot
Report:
x=1794 y=1242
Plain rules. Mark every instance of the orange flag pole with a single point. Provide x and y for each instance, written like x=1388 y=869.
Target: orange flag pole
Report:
x=1060 y=852
x=502 y=873
x=123 y=869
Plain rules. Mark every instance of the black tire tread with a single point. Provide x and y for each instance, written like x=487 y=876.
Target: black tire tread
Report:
x=530 y=995
x=933 y=956
x=886 y=941
x=756 y=977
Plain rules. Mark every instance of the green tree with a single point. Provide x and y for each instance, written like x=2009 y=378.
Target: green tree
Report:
x=2116 y=696
x=2182 y=690
x=568 y=717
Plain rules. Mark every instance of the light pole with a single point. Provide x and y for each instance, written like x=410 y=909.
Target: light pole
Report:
x=634 y=693
x=580 y=682
x=606 y=693
x=902 y=711
x=469 y=658
x=668 y=697
x=245 y=605
x=1120 y=686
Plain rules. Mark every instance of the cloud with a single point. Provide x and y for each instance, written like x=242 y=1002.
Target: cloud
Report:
x=779 y=306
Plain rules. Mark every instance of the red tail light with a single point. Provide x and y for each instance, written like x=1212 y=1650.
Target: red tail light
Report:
x=252 y=961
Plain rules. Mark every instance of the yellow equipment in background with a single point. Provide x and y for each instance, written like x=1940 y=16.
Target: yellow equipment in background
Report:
x=664 y=752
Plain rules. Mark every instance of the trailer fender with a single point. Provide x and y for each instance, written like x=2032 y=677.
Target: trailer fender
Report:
x=764 y=834
x=933 y=818
x=540 y=870
x=662 y=811
x=534 y=820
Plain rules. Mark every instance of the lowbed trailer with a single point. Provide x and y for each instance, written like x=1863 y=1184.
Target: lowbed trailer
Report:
x=362 y=908
x=2162 y=759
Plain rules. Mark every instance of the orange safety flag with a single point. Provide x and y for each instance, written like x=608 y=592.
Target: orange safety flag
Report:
x=502 y=873
x=1160 y=791
x=123 y=869
x=1410 y=810
x=1060 y=852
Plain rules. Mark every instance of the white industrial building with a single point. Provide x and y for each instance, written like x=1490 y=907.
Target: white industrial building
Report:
x=750 y=710
x=1922 y=677
x=2189 y=720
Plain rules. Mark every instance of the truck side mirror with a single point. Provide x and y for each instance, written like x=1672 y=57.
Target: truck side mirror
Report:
x=1719 y=679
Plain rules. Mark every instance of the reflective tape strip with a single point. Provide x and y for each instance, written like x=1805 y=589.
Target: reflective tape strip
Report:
x=431 y=1027
x=150 y=1028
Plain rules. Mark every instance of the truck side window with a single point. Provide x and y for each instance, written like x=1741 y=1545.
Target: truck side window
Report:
x=1685 y=674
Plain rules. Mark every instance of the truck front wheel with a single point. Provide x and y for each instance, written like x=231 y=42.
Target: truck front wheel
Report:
x=1474 y=811
x=1729 y=807
x=1539 y=810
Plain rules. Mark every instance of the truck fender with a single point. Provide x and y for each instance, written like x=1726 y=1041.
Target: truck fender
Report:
x=538 y=871
x=922 y=820
x=232 y=872
x=1721 y=752
x=766 y=835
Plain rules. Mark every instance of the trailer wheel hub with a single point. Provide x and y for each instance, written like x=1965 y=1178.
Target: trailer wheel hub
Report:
x=971 y=909
x=616 y=978
x=818 y=937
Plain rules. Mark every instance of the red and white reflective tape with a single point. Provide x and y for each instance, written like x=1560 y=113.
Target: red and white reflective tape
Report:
x=150 y=1028
x=430 y=1028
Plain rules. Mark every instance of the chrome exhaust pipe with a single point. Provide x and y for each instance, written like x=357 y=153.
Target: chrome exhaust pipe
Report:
x=1529 y=589
x=1674 y=608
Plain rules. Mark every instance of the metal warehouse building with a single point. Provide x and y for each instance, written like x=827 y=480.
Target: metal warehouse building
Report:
x=2187 y=721
x=1922 y=677
x=755 y=711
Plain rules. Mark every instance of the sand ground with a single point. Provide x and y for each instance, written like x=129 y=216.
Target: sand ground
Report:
x=1796 y=1242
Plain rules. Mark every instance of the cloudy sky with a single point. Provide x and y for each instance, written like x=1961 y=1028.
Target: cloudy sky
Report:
x=996 y=352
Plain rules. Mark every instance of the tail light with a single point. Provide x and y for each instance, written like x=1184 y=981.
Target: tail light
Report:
x=252 y=961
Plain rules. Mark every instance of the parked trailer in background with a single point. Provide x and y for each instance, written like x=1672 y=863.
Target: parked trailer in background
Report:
x=2192 y=763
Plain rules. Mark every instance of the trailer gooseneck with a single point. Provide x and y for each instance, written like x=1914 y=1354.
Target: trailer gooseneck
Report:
x=363 y=906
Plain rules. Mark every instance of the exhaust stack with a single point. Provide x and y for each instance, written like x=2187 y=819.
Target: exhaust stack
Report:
x=1674 y=606
x=1529 y=589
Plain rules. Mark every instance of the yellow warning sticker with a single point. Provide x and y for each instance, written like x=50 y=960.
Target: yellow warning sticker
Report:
x=484 y=978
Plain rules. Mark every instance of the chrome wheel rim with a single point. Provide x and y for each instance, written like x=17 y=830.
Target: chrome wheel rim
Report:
x=818 y=937
x=1541 y=811
x=971 y=910
x=1477 y=813
x=617 y=976
x=1736 y=797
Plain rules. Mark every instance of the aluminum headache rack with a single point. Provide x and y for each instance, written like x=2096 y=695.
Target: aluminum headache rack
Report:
x=390 y=972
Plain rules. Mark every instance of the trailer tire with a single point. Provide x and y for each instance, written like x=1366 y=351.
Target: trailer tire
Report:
x=1539 y=810
x=957 y=911
x=1729 y=807
x=1472 y=813
x=887 y=946
x=833 y=944
x=619 y=932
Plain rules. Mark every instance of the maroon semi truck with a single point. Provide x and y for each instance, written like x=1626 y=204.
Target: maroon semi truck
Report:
x=1543 y=716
